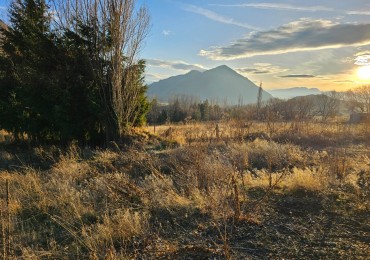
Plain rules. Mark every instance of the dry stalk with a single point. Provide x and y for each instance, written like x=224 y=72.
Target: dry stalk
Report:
x=236 y=200
x=3 y=233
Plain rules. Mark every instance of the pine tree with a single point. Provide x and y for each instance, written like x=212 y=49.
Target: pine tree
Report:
x=58 y=86
x=141 y=105
x=28 y=48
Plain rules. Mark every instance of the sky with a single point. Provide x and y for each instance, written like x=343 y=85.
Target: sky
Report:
x=315 y=44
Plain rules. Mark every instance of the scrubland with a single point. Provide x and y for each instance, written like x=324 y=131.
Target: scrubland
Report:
x=197 y=191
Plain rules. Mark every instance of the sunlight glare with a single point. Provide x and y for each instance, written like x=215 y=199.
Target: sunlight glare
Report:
x=363 y=73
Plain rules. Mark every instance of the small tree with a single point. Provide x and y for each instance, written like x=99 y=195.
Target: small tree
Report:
x=328 y=105
x=204 y=109
x=358 y=99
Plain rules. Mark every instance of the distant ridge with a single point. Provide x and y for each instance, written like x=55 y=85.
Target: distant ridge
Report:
x=287 y=93
x=221 y=84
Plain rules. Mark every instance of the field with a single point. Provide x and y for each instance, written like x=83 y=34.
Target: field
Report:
x=228 y=190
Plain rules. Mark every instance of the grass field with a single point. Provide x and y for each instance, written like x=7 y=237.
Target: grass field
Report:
x=198 y=191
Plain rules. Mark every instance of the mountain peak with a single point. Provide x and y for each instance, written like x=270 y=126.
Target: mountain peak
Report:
x=221 y=84
x=222 y=67
x=193 y=72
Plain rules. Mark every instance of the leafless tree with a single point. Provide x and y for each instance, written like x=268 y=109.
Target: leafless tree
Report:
x=328 y=105
x=259 y=101
x=358 y=99
x=117 y=29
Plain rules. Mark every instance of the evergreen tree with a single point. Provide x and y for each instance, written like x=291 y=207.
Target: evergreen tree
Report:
x=142 y=105
x=54 y=86
x=204 y=110
x=78 y=112
x=28 y=88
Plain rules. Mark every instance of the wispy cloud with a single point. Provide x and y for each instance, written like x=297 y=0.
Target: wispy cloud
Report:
x=261 y=68
x=358 y=12
x=344 y=81
x=301 y=35
x=289 y=7
x=298 y=76
x=176 y=65
x=363 y=60
x=153 y=77
x=216 y=17
x=278 y=6
x=167 y=32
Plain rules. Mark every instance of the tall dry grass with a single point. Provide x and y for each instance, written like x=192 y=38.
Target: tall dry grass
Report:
x=118 y=204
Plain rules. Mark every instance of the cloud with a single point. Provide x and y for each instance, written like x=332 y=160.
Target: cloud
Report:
x=217 y=17
x=298 y=76
x=302 y=35
x=358 y=13
x=176 y=65
x=363 y=60
x=153 y=77
x=344 y=81
x=278 y=6
x=167 y=32
x=288 y=7
x=253 y=71
x=261 y=68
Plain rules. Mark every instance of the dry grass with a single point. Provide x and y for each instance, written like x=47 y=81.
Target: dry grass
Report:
x=193 y=201
x=306 y=179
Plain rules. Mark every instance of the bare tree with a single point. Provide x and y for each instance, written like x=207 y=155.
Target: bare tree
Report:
x=358 y=99
x=328 y=105
x=259 y=100
x=116 y=30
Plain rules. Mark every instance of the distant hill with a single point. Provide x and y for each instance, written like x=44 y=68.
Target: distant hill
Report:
x=219 y=84
x=294 y=92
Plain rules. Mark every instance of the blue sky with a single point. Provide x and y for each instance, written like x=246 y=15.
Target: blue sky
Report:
x=282 y=43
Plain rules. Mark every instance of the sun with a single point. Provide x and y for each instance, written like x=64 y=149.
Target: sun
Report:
x=363 y=73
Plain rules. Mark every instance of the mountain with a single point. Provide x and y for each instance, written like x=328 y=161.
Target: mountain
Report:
x=287 y=93
x=221 y=84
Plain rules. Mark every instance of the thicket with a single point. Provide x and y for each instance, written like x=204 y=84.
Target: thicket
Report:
x=182 y=109
x=58 y=83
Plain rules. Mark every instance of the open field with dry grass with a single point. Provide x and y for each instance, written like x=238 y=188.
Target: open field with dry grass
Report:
x=196 y=191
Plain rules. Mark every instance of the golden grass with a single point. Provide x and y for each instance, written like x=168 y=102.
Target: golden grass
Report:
x=306 y=179
x=102 y=205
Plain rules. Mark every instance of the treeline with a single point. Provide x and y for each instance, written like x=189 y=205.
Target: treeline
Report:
x=73 y=74
x=320 y=107
x=182 y=109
